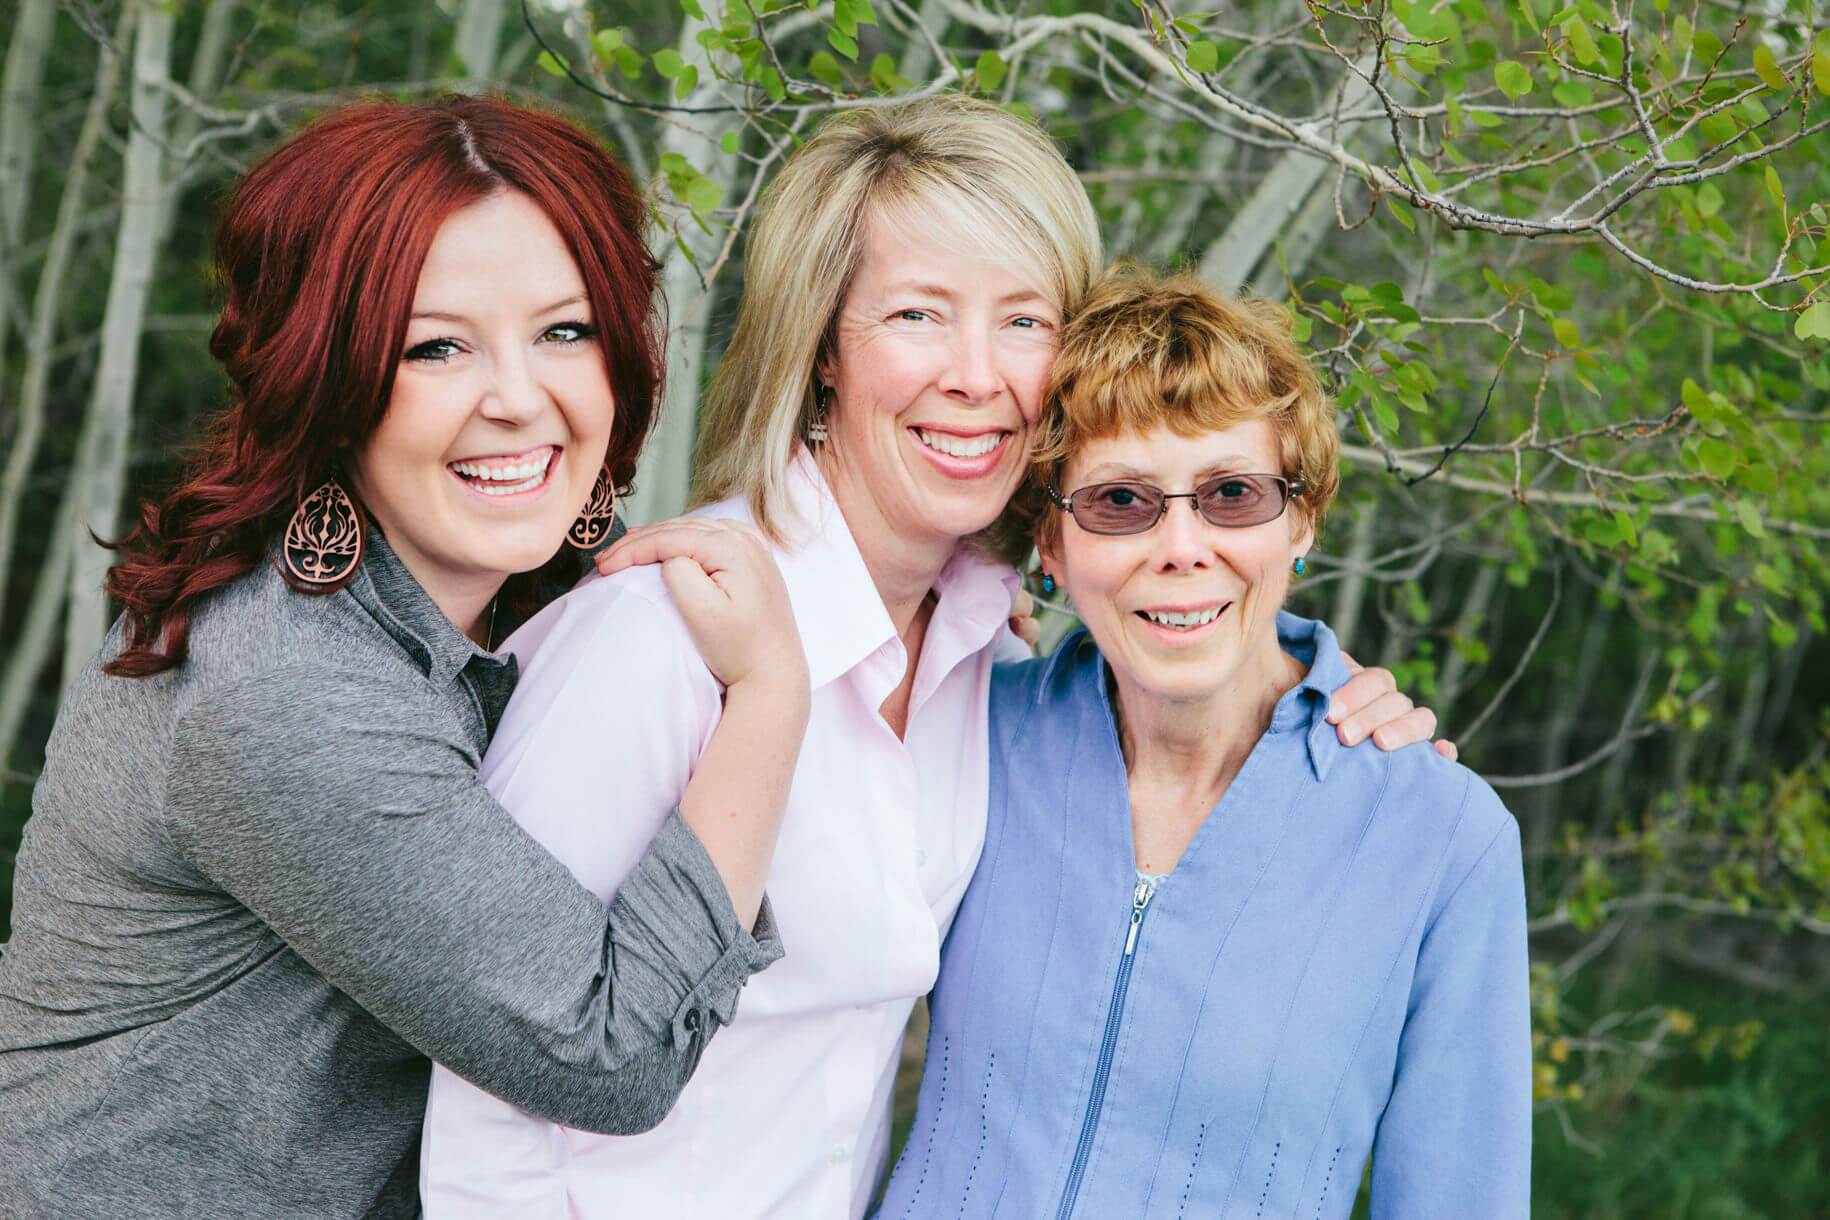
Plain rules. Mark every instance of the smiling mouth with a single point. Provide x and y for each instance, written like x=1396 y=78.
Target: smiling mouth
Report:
x=509 y=474
x=960 y=446
x=1183 y=620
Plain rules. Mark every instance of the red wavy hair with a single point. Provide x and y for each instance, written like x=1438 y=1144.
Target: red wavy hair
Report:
x=318 y=255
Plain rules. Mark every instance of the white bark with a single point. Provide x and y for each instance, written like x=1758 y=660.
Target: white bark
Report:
x=101 y=468
x=1350 y=593
x=26 y=55
x=41 y=336
x=205 y=82
x=665 y=478
x=479 y=36
x=1228 y=263
x=1452 y=677
x=32 y=646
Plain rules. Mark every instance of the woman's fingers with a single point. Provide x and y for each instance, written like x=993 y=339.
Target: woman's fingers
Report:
x=1357 y=693
x=1023 y=619
x=706 y=539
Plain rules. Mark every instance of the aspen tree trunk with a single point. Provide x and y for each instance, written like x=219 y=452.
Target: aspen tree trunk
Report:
x=31 y=647
x=1451 y=678
x=1350 y=593
x=1229 y=262
x=479 y=36
x=204 y=83
x=666 y=471
x=101 y=467
x=26 y=55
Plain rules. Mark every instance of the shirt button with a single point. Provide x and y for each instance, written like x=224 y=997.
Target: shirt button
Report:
x=837 y=1155
x=921 y=859
x=692 y=1020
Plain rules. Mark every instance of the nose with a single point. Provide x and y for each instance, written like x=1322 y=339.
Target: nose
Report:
x=1182 y=538
x=972 y=376
x=514 y=395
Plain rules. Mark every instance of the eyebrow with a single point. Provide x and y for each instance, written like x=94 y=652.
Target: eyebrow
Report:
x=1111 y=472
x=945 y=293
x=438 y=315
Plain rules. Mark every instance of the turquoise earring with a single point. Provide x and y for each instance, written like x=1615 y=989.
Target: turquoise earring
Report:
x=1048 y=585
x=1300 y=566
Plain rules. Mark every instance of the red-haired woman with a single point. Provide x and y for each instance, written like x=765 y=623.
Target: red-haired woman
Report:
x=262 y=884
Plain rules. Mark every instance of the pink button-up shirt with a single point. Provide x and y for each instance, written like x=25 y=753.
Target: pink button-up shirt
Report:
x=788 y=1114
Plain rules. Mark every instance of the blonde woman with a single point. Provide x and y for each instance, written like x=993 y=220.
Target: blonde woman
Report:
x=907 y=283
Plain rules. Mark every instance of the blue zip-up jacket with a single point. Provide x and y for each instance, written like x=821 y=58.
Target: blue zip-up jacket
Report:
x=1336 y=967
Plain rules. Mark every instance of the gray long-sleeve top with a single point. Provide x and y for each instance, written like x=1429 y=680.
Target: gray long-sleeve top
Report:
x=258 y=891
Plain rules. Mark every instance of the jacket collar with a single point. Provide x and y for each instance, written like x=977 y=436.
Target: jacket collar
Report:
x=1304 y=707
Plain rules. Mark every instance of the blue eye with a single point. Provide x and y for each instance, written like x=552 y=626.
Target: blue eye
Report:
x=1118 y=497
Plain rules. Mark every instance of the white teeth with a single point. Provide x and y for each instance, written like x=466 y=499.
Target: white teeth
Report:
x=1183 y=622
x=499 y=480
x=960 y=447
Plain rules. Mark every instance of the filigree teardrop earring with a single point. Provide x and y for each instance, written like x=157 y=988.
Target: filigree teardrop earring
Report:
x=599 y=514
x=323 y=542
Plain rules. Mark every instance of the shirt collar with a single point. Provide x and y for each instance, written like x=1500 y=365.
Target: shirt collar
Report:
x=840 y=614
x=1303 y=707
x=383 y=587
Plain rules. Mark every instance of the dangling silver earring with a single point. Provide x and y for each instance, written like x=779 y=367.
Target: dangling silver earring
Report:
x=593 y=524
x=323 y=542
x=816 y=431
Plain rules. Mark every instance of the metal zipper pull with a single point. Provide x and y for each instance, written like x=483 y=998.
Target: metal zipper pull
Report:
x=1140 y=898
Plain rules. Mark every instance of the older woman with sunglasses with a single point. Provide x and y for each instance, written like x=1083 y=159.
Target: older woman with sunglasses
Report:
x=1212 y=958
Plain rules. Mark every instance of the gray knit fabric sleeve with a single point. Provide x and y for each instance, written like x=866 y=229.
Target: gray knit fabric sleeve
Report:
x=339 y=808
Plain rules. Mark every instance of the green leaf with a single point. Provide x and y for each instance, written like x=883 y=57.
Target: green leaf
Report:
x=1566 y=331
x=1751 y=109
x=605 y=43
x=1749 y=516
x=1572 y=93
x=1483 y=118
x=1513 y=78
x=1774 y=187
x=1581 y=40
x=1696 y=401
x=1813 y=323
x=550 y=64
x=1203 y=56
x=629 y=61
x=825 y=69
x=1387 y=417
x=990 y=71
x=668 y=63
x=848 y=47
x=693 y=10
x=1820 y=70
x=1718 y=457
x=843 y=19
x=1709 y=199
x=730 y=142
x=703 y=195
x=772 y=85
x=1705 y=44
x=1767 y=67
x=1021 y=110
x=1623 y=522
x=687 y=82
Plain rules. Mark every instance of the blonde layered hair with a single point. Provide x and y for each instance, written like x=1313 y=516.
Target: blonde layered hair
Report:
x=972 y=171
x=1148 y=351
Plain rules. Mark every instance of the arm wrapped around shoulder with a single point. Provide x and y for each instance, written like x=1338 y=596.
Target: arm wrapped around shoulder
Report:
x=345 y=810
x=1455 y=1140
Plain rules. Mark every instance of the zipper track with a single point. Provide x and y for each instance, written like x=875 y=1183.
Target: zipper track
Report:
x=1108 y=1046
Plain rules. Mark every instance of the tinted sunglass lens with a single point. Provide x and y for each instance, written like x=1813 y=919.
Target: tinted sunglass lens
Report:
x=1117 y=508
x=1240 y=500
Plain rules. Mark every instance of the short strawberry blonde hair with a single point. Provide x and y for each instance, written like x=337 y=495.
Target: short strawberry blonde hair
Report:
x=1147 y=350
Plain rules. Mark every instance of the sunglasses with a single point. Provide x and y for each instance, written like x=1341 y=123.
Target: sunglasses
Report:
x=1231 y=500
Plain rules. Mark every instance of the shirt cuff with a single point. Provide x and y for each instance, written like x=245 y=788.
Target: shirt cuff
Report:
x=677 y=896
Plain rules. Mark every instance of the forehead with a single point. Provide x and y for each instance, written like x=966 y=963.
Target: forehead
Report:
x=501 y=248
x=949 y=245
x=1165 y=456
